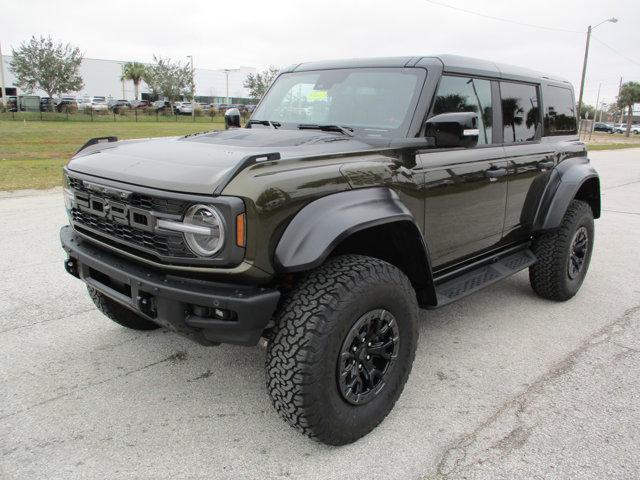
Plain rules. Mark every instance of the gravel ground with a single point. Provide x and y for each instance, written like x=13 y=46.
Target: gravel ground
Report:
x=504 y=385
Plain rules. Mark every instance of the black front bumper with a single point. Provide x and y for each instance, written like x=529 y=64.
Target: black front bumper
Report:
x=183 y=305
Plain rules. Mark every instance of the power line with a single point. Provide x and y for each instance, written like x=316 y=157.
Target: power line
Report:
x=506 y=20
x=635 y=62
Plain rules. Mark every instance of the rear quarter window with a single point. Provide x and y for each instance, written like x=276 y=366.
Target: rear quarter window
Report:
x=559 y=111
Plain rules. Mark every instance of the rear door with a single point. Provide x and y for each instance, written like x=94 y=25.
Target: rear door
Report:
x=465 y=189
x=529 y=158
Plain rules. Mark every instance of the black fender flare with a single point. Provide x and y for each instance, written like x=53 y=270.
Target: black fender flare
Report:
x=565 y=182
x=322 y=224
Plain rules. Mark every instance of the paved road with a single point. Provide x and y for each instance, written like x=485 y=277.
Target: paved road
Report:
x=504 y=385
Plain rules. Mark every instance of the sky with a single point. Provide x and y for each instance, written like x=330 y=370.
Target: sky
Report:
x=222 y=34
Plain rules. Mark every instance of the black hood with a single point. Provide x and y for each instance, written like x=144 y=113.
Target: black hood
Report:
x=197 y=163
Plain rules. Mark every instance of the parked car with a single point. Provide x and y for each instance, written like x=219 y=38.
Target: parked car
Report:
x=161 y=106
x=140 y=104
x=324 y=239
x=12 y=103
x=602 y=127
x=66 y=104
x=99 y=104
x=117 y=105
x=181 y=108
x=622 y=128
x=220 y=107
x=83 y=103
x=46 y=104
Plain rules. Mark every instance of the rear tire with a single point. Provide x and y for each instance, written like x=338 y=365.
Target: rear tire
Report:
x=344 y=344
x=564 y=255
x=119 y=314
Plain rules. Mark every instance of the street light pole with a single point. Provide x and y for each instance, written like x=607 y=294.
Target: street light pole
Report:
x=586 y=56
x=226 y=72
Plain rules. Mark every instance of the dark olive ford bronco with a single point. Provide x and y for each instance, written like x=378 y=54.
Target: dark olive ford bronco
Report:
x=359 y=192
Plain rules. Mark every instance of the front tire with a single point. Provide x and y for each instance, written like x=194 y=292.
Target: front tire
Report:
x=344 y=345
x=564 y=255
x=119 y=314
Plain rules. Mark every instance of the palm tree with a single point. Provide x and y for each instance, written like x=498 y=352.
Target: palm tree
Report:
x=629 y=95
x=512 y=114
x=134 y=71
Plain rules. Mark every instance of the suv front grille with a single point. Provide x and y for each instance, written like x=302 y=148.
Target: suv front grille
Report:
x=100 y=225
x=168 y=245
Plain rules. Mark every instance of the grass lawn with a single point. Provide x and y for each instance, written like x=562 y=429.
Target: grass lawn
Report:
x=32 y=153
x=612 y=146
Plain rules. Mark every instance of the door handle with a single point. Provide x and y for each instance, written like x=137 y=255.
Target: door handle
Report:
x=494 y=173
x=546 y=165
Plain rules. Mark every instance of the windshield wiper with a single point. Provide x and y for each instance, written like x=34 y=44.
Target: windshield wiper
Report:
x=348 y=131
x=266 y=123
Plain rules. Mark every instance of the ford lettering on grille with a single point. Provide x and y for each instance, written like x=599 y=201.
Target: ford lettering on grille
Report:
x=115 y=211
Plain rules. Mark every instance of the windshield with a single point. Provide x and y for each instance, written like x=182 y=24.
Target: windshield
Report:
x=372 y=101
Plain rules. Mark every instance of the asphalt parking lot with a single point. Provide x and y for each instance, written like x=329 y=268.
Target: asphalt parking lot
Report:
x=504 y=385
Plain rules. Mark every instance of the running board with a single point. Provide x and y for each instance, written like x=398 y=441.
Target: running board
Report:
x=477 y=279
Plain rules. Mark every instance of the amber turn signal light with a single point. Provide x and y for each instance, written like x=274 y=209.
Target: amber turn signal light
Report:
x=241 y=230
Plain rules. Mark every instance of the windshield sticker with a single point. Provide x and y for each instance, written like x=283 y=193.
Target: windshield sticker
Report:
x=317 y=95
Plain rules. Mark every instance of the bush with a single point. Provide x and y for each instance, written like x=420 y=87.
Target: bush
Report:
x=198 y=112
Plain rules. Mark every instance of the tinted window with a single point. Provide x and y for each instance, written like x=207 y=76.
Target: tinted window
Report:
x=520 y=112
x=464 y=94
x=559 y=111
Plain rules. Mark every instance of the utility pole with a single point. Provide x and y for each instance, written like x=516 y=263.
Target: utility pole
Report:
x=226 y=72
x=3 y=90
x=586 y=57
x=621 y=108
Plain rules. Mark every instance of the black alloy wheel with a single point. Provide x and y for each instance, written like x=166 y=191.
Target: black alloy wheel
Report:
x=368 y=353
x=578 y=254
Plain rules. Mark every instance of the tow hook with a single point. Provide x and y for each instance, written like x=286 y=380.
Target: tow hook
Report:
x=71 y=266
x=147 y=304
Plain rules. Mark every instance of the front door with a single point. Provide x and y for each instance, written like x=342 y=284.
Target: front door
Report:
x=465 y=189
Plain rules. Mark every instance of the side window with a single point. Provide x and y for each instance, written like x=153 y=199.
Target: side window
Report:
x=559 y=111
x=465 y=94
x=520 y=112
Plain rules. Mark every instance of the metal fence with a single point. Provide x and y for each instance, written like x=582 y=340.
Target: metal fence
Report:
x=120 y=115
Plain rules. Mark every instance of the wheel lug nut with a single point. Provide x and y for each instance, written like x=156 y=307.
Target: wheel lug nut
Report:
x=359 y=366
x=369 y=344
x=355 y=348
x=368 y=357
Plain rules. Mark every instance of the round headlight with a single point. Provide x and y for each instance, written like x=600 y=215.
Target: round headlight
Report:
x=207 y=239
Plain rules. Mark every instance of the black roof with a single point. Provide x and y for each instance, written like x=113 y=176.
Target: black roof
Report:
x=449 y=63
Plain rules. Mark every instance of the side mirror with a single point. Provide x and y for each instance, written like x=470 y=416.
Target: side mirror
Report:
x=458 y=129
x=232 y=118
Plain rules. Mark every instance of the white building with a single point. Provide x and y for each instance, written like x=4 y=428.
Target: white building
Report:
x=102 y=78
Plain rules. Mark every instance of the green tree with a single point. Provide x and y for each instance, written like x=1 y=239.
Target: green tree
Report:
x=134 y=71
x=259 y=83
x=629 y=95
x=41 y=64
x=587 y=111
x=168 y=79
